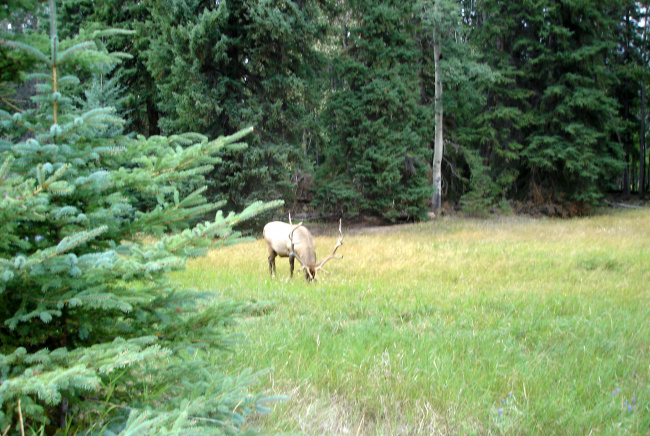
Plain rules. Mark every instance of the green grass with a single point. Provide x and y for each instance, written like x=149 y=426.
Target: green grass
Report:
x=509 y=325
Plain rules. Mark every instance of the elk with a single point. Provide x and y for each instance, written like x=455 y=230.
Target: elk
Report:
x=295 y=242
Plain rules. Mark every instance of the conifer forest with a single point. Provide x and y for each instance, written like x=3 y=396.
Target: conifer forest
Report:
x=187 y=122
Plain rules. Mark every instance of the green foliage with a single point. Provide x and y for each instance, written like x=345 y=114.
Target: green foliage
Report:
x=342 y=93
x=16 y=18
x=554 y=110
x=631 y=72
x=465 y=79
x=106 y=91
x=237 y=63
x=10 y=7
x=90 y=323
x=140 y=93
x=376 y=157
x=482 y=190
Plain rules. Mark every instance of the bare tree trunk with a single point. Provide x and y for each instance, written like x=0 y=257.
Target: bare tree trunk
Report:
x=436 y=201
x=63 y=412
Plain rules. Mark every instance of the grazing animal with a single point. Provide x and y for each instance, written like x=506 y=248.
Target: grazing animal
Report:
x=295 y=242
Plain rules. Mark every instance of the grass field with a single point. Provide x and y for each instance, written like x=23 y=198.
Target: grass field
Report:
x=501 y=326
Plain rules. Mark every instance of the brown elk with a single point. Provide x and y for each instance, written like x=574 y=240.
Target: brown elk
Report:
x=295 y=242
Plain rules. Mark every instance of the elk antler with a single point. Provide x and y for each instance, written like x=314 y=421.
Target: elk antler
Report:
x=331 y=256
x=293 y=251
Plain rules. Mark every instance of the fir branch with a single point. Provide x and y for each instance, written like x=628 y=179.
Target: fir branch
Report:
x=111 y=32
x=28 y=49
x=110 y=150
x=119 y=56
x=219 y=142
x=16 y=120
x=5 y=166
x=41 y=77
x=72 y=241
x=191 y=418
x=88 y=299
x=68 y=80
x=49 y=182
x=218 y=422
x=255 y=209
x=11 y=105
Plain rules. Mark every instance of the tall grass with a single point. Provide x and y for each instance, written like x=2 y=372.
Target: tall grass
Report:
x=508 y=325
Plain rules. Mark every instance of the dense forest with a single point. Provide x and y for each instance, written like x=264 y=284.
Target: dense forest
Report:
x=380 y=108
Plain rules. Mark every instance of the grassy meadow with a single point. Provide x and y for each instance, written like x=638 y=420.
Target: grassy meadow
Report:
x=507 y=325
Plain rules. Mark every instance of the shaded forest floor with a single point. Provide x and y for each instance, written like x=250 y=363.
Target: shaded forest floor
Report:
x=627 y=201
x=371 y=225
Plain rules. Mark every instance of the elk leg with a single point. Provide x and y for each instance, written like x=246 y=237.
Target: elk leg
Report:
x=291 y=259
x=272 y=271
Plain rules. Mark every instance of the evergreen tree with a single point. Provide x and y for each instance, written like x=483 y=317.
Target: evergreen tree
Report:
x=627 y=68
x=15 y=18
x=554 y=99
x=376 y=157
x=224 y=65
x=89 y=320
x=105 y=91
x=10 y=7
x=140 y=93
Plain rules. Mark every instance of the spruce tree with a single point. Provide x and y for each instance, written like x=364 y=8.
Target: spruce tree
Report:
x=553 y=109
x=237 y=63
x=15 y=18
x=141 y=96
x=630 y=69
x=93 y=334
x=376 y=159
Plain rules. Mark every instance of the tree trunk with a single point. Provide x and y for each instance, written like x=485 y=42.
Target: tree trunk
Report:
x=642 y=145
x=626 y=175
x=643 y=178
x=633 y=179
x=436 y=201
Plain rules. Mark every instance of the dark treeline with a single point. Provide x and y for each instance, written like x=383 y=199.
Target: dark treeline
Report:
x=540 y=104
